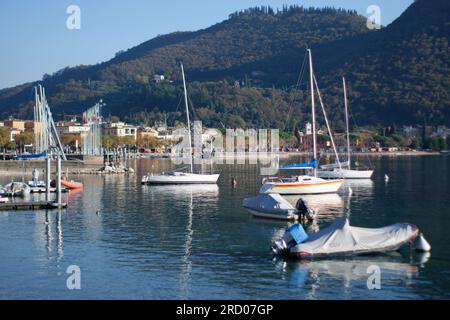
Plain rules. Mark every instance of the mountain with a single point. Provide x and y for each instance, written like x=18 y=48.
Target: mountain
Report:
x=243 y=71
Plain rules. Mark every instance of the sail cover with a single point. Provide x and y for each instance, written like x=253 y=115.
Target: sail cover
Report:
x=342 y=239
x=270 y=203
x=32 y=156
x=300 y=166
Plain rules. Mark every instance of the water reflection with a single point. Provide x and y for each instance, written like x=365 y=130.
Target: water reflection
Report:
x=347 y=270
x=326 y=206
x=360 y=187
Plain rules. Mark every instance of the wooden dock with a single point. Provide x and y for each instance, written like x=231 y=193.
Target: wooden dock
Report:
x=31 y=205
x=43 y=190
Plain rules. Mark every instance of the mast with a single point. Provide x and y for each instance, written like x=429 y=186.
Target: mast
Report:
x=187 y=116
x=327 y=123
x=313 y=112
x=346 y=123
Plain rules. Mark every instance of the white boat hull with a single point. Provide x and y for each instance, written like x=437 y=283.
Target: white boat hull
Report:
x=182 y=178
x=273 y=216
x=345 y=174
x=311 y=186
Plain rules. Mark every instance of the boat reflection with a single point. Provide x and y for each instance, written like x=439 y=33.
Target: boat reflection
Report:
x=208 y=190
x=326 y=206
x=360 y=187
x=391 y=265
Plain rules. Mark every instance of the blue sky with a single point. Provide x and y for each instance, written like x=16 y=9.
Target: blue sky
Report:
x=34 y=38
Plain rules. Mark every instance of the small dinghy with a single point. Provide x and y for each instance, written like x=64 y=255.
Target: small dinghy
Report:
x=341 y=239
x=274 y=206
x=15 y=189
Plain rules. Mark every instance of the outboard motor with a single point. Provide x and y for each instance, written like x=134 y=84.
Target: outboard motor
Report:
x=293 y=236
x=304 y=212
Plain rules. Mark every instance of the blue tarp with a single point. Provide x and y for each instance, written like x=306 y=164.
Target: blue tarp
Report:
x=32 y=156
x=308 y=165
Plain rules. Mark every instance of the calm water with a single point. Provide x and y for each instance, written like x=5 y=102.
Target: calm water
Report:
x=198 y=243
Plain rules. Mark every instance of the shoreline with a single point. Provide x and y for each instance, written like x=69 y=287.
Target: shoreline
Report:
x=25 y=167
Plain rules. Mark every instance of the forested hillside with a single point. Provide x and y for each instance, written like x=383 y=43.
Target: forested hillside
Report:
x=244 y=70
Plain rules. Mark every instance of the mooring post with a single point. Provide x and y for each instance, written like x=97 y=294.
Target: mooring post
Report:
x=47 y=179
x=58 y=180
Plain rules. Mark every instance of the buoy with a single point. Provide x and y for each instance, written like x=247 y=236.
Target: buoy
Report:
x=386 y=178
x=422 y=244
x=233 y=182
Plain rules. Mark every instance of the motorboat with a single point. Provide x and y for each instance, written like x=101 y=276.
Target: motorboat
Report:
x=341 y=239
x=178 y=176
x=36 y=183
x=15 y=189
x=274 y=206
x=310 y=183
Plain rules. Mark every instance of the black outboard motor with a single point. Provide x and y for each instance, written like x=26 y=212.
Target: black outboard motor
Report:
x=303 y=211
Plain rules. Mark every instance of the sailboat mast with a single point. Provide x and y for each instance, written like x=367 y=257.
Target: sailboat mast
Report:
x=346 y=123
x=187 y=116
x=313 y=107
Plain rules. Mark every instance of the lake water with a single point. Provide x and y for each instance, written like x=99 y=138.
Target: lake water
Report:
x=197 y=242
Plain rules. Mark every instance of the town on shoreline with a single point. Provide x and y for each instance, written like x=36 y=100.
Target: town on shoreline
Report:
x=17 y=136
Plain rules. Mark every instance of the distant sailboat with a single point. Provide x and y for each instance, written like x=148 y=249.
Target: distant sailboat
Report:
x=344 y=170
x=182 y=177
x=303 y=184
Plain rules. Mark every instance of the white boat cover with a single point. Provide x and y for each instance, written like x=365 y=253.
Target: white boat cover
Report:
x=270 y=203
x=342 y=239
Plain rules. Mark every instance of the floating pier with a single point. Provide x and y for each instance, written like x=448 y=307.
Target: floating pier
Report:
x=44 y=190
x=33 y=205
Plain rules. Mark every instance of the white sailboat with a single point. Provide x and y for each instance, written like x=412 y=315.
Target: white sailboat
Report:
x=344 y=170
x=304 y=184
x=183 y=177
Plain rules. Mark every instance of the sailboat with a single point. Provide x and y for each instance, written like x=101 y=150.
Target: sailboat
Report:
x=179 y=176
x=304 y=184
x=344 y=170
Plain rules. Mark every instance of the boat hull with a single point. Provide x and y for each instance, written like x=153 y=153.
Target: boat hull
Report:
x=316 y=187
x=345 y=174
x=72 y=185
x=188 y=178
x=273 y=216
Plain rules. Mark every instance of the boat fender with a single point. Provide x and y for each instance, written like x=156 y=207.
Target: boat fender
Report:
x=422 y=244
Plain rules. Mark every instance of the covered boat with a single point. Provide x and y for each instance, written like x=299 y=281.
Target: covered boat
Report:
x=271 y=206
x=341 y=239
x=274 y=206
